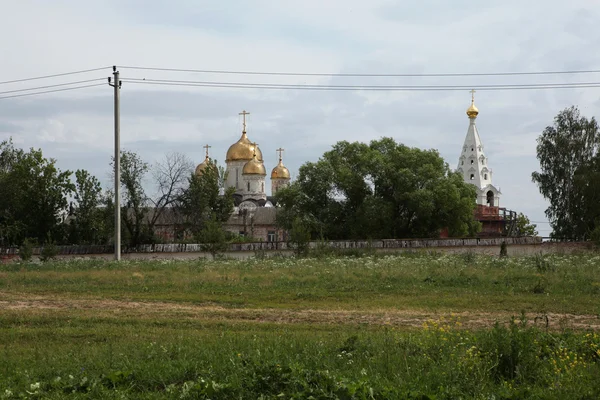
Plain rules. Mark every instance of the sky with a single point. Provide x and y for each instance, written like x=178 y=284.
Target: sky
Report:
x=332 y=36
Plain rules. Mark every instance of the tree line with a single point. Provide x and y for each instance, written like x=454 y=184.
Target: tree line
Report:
x=383 y=189
x=42 y=204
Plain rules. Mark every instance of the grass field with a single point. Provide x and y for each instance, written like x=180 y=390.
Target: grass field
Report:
x=412 y=326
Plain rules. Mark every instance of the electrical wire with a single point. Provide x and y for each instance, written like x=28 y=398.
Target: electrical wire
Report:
x=366 y=86
x=52 y=86
x=240 y=85
x=204 y=71
x=52 y=91
x=83 y=71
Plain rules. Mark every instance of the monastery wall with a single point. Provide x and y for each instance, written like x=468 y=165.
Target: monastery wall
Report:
x=526 y=246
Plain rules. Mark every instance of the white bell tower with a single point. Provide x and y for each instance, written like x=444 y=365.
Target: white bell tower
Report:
x=473 y=164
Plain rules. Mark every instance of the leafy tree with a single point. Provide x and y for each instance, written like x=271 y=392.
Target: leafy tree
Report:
x=134 y=199
x=525 y=227
x=205 y=199
x=86 y=227
x=380 y=190
x=33 y=196
x=569 y=157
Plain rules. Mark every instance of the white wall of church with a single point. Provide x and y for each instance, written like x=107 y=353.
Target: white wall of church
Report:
x=254 y=186
x=234 y=174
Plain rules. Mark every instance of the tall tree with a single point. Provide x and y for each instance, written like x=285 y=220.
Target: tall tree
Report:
x=135 y=201
x=380 y=190
x=568 y=152
x=86 y=227
x=33 y=196
x=206 y=199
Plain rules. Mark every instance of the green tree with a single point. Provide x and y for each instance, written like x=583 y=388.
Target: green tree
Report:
x=212 y=237
x=134 y=207
x=86 y=227
x=299 y=237
x=570 y=169
x=380 y=190
x=33 y=196
x=205 y=199
x=525 y=227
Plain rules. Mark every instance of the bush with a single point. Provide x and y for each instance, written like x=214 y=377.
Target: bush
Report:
x=213 y=238
x=299 y=237
x=49 y=251
x=503 y=250
x=26 y=249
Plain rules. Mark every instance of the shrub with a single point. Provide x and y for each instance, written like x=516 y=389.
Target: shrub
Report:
x=503 y=250
x=49 y=251
x=26 y=249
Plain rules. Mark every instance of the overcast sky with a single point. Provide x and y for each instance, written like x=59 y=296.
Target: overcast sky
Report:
x=332 y=36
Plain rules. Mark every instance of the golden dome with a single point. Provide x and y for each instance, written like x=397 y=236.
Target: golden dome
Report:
x=472 y=111
x=254 y=167
x=242 y=150
x=280 y=171
x=201 y=167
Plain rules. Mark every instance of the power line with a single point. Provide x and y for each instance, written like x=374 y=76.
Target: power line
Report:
x=241 y=85
x=52 y=86
x=83 y=71
x=369 y=86
x=51 y=91
x=205 y=71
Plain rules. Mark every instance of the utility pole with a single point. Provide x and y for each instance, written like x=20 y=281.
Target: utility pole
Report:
x=117 y=85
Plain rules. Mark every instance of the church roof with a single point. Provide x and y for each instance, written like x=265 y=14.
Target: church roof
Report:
x=254 y=167
x=280 y=171
x=243 y=150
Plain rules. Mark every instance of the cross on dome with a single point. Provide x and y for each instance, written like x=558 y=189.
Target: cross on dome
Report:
x=280 y=150
x=472 y=111
x=243 y=114
x=206 y=147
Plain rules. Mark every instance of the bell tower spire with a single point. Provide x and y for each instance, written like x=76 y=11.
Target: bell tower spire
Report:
x=473 y=163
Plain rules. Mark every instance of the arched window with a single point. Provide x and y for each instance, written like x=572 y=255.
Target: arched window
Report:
x=262 y=187
x=237 y=178
x=485 y=176
x=248 y=186
x=490 y=198
x=472 y=162
x=472 y=176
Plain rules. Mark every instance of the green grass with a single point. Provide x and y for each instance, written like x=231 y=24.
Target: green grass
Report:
x=372 y=327
x=563 y=284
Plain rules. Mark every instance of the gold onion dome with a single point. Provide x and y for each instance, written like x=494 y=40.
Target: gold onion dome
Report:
x=254 y=167
x=201 y=167
x=280 y=171
x=242 y=150
x=472 y=111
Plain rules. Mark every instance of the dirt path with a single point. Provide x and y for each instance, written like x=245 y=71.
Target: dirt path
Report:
x=411 y=318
